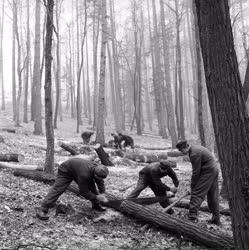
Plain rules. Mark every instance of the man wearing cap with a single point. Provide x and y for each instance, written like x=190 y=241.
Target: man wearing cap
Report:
x=204 y=180
x=86 y=174
x=150 y=176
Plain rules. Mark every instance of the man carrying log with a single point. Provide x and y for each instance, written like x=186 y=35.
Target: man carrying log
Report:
x=86 y=174
x=204 y=180
x=150 y=176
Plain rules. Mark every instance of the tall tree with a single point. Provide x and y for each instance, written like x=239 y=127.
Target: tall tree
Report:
x=14 y=22
x=100 y=136
x=49 y=162
x=168 y=90
x=27 y=66
x=36 y=84
x=199 y=80
x=58 y=59
x=228 y=109
x=1 y=57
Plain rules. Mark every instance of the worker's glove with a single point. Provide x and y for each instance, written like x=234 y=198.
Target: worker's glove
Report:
x=173 y=189
x=101 y=198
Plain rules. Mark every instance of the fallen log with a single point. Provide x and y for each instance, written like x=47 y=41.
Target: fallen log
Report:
x=167 y=222
x=28 y=168
x=9 y=130
x=174 y=153
x=11 y=157
x=103 y=156
x=187 y=229
x=153 y=148
x=68 y=148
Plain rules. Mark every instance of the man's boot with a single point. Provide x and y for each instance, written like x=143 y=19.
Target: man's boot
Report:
x=41 y=213
x=97 y=207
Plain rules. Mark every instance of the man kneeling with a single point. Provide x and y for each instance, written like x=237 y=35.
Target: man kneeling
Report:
x=150 y=176
x=86 y=174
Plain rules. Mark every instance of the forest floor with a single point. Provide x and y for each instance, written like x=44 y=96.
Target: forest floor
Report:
x=20 y=229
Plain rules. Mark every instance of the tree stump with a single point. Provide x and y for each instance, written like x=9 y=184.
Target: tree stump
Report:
x=103 y=156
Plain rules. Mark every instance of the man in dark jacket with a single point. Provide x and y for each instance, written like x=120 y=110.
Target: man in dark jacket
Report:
x=150 y=176
x=128 y=140
x=204 y=180
x=117 y=141
x=86 y=174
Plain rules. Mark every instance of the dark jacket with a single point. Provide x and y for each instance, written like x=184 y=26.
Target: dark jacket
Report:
x=154 y=174
x=202 y=162
x=82 y=172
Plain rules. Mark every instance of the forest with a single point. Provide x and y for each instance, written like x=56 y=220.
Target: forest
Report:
x=157 y=72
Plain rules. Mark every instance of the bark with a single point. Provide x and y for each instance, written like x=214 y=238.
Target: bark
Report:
x=49 y=161
x=9 y=130
x=11 y=157
x=167 y=222
x=228 y=109
x=100 y=136
x=177 y=226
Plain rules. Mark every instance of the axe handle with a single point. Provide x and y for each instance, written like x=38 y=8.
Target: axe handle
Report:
x=176 y=201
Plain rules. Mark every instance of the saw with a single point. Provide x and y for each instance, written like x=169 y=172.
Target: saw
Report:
x=141 y=201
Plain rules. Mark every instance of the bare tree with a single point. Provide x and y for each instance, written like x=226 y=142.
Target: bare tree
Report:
x=36 y=84
x=49 y=162
x=100 y=136
x=1 y=57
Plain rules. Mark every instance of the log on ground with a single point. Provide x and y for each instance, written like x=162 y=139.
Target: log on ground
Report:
x=12 y=157
x=68 y=148
x=169 y=223
x=9 y=130
x=177 y=226
x=103 y=156
x=22 y=167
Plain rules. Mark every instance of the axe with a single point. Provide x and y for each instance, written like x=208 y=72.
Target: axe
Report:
x=176 y=201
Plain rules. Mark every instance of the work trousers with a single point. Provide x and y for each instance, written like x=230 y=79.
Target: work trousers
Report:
x=144 y=182
x=206 y=185
x=62 y=181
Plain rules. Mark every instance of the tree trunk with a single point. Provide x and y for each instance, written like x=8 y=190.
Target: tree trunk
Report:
x=49 y=161
x=228 y=109
x=1 y=57
x=168 y=90
x=100 y=136
x=14 y=60
x=199 y=79
x=27 y=66
x=36 y=85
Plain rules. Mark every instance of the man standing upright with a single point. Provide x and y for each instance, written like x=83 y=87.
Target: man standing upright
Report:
x=204 y=180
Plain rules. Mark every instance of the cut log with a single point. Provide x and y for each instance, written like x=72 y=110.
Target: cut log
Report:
x=153 y=148
x=11 y=157
x=169 y=223
x=68 y=148
x=28 y=168
x=175 y=153
x=178 y=226
x=103 y=156
x=9 y=130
